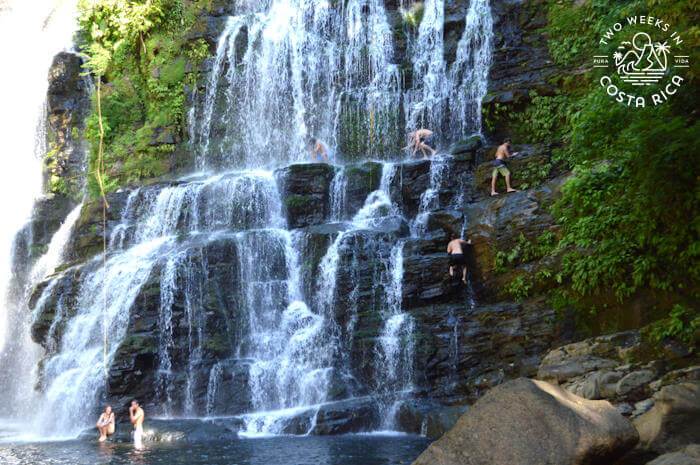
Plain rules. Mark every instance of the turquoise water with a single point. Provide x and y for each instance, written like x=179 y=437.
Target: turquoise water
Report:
x=314 y=450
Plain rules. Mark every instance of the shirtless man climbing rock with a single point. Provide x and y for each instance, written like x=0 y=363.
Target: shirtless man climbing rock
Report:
x=457 y=256
x=499 y=166
x=419 y=140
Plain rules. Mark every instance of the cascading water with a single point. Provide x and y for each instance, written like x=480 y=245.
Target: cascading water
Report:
x=276 y=76
x=394 y=358
x=430 y=198
x=425 y=102
x=470 y=71
x=283 y=70
x=23 y=88
x=447 y=98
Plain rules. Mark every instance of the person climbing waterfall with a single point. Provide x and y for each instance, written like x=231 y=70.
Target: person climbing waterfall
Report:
x=319 y=148
x=419 y=140
x=499 y=166
x=106 y=424
x=457 y=256
x=136 y=416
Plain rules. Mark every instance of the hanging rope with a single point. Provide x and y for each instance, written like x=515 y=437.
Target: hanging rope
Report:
x=371 y=103
x=105 y=205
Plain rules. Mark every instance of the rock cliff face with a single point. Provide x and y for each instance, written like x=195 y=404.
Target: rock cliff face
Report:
x=464 y=343
x=67 y=105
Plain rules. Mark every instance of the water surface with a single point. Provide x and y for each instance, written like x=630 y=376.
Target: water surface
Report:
x=313 y=450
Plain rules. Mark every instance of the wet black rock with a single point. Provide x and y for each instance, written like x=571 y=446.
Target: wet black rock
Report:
x=305 y=193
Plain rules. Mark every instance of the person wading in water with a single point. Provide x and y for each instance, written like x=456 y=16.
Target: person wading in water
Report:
x=136 y=416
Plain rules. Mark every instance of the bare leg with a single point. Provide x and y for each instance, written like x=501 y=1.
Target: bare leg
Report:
x=510 y=189
x=493 y=185
x=452 y=271
x=325 y=158
x=422 y=150
x=464 y=274
x=103 y=433
x=432 y=150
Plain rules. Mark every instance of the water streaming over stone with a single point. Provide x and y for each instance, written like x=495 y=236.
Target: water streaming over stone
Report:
x=293 y=69
x=447 y=98
x=430 y=199
x=23 y=135
x=241 y=326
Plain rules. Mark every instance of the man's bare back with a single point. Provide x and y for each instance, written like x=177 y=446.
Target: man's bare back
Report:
x=422 y=134
x=455 y=246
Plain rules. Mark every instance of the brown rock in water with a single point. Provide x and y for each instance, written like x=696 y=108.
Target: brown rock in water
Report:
x=527 y=421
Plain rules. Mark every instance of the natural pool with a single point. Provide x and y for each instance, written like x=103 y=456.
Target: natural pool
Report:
x=313 y=450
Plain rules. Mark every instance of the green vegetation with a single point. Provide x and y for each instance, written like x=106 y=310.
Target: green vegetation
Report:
x=629 y=214
x=56 y=183
x=413 y=15
x=545 y=118
x=140 y=51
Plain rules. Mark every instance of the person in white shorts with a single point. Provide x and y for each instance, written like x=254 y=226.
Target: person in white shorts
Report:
x=136 y=415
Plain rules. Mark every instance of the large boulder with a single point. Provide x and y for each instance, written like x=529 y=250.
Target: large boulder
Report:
x=689 y=455
x=533 y=422
x=673 y=422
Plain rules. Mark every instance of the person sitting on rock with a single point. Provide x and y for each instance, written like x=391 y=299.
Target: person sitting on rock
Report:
x=105 y=424
x=457 y=256
x=499 y=166
x=318 y=148
x=419 y=140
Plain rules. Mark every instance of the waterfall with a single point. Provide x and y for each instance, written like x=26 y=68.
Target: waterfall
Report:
x=470 y=71
x=394 y=358
x=425 y=103
x=338 y=194
x=48 y=262
x=205 y=270
x=23 y=86
x=446 y=98
x=275 y=78
x=430 y=199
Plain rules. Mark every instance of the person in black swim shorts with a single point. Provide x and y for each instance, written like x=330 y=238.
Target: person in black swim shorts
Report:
x=457 y=256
